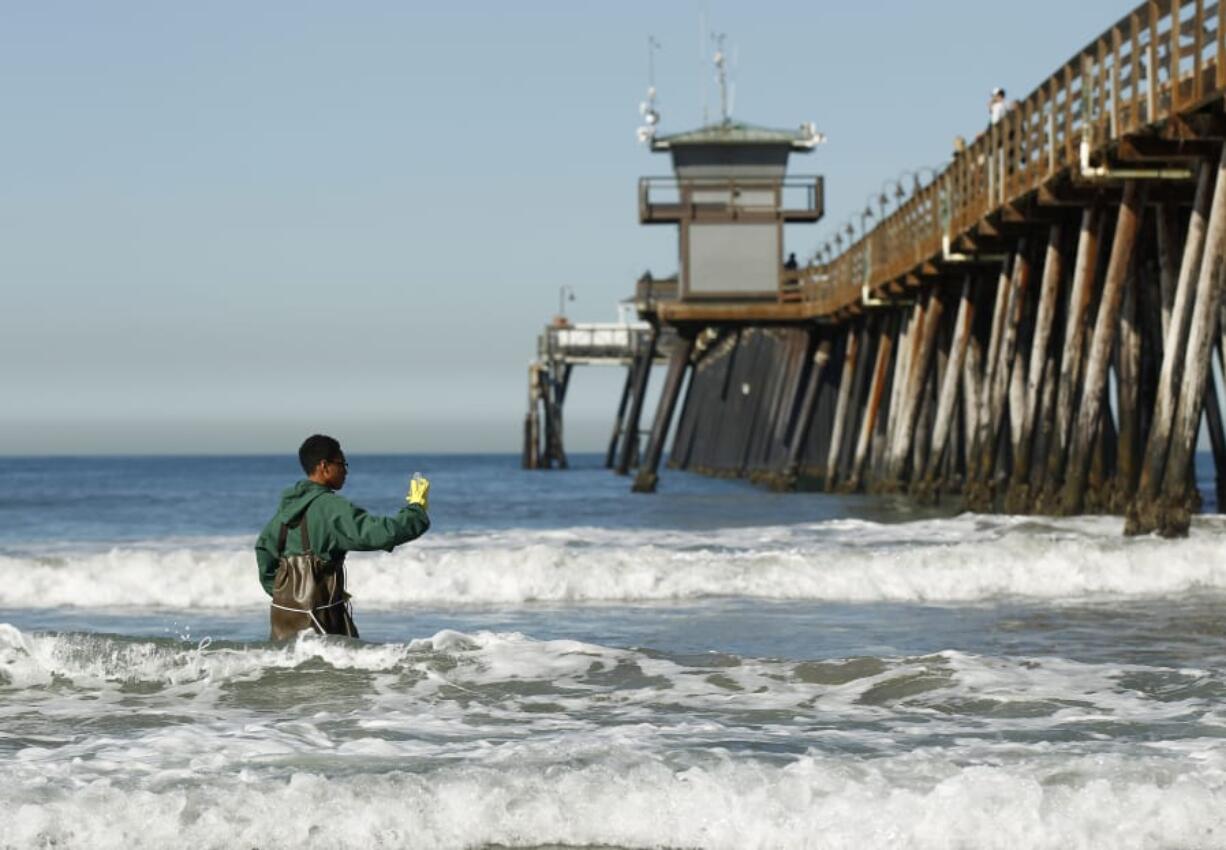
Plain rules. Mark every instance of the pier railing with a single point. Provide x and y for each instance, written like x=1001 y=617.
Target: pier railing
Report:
x=1159 y=61
x=598 y=343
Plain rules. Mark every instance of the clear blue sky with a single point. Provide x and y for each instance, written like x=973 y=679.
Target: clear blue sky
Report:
x=225 y=225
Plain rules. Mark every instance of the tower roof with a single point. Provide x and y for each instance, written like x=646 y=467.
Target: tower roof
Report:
x=804 y=138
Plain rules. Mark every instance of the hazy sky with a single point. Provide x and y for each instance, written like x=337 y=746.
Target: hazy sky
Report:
x=225 y=225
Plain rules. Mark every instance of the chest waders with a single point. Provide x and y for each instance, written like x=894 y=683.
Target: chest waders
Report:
x=309 y=592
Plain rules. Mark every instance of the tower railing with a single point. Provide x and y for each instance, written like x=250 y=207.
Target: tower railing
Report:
x=667 y=200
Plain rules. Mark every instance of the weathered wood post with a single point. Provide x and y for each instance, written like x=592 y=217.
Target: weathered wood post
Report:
x=611 y=453
x=987 y=377
x=1105 y=326
x=894 y=412
x=1018 y=498
x=555 y=399
x=1177 y=483
x=804 y=418
x=873 y=402
x=791 y=398
x=1217 y=438
x=1143 y=512
x=1084 y=270
x=630 y=435
x=1128 y=388
x=949 y=391
x=842 y=405
x=924 y=418
x=924 y=350
x=1168 y=244
x=972 y=392
x=647 y=478
x=532 y=423
x=544 y=378
x=981 y=490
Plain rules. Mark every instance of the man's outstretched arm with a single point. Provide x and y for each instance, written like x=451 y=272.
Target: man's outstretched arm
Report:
x=360 y=531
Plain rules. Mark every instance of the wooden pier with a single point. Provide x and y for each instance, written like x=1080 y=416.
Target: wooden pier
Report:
x=1038 y=329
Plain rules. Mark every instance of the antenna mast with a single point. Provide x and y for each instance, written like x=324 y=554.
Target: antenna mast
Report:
x=702 y=60
x=648 y=107
x=721 y=74
x=652 y=47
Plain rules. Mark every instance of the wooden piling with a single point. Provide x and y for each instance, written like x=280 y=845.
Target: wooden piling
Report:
x=804 y=418
x=630 y=434
x=972 y=393
x=1143 y=512
x=981 y=489
x=547 y=410
x=1167 y=230
x=1105 y=326
x=558 y=381
x=923 y=353
x=894 y=413
x=1044 y=424
x=873 y=402
x=1018 y=500
x=1177 y=483
x=647 y=478
x=1217 y=438
x=1219 y=447
x=949 y=389
x=842 y=405
x=1128 y=386
x=532 y=424
x=611 y=453
x=1073 y=354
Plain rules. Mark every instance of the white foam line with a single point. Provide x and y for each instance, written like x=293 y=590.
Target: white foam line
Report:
x=636 y=801
x=966 y=559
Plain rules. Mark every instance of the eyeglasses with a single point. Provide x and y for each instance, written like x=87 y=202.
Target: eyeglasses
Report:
x=343 y=463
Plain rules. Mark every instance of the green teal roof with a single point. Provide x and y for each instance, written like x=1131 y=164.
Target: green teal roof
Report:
x=738 y=133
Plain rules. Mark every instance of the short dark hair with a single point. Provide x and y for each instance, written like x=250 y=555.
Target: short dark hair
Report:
x=315 y=448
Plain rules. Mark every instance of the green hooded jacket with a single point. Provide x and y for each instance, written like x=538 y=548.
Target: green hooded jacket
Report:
x=335 y=526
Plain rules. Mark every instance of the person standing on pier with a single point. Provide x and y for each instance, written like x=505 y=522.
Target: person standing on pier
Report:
x=301 y=551
x=997 y=105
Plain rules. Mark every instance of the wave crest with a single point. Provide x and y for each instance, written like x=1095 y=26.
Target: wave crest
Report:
x=966 y=559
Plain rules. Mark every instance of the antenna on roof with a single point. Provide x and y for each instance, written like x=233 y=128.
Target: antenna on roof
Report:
x=648 y=107
x=702 y=61
x=736 y=66
x=721 y=75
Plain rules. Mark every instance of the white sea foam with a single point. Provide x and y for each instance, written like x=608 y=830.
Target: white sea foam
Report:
x=903 y=802
x=965 y=559
x=463 y=740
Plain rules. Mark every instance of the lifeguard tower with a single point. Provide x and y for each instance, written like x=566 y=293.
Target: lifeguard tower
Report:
x=730 y=197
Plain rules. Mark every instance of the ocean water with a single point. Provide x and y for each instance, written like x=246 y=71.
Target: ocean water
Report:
x=560 y=662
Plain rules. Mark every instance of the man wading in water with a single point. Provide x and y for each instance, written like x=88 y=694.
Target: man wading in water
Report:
x=301 y=552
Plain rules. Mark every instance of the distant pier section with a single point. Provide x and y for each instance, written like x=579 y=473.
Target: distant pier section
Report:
x=629 y=343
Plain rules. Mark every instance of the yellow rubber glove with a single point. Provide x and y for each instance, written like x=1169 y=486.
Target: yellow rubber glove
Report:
x=419 y=492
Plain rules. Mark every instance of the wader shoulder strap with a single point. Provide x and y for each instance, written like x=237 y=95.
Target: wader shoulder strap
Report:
x=302 y=528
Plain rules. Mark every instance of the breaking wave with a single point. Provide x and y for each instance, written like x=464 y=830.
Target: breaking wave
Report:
x=471 y=740
x=965 y=559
